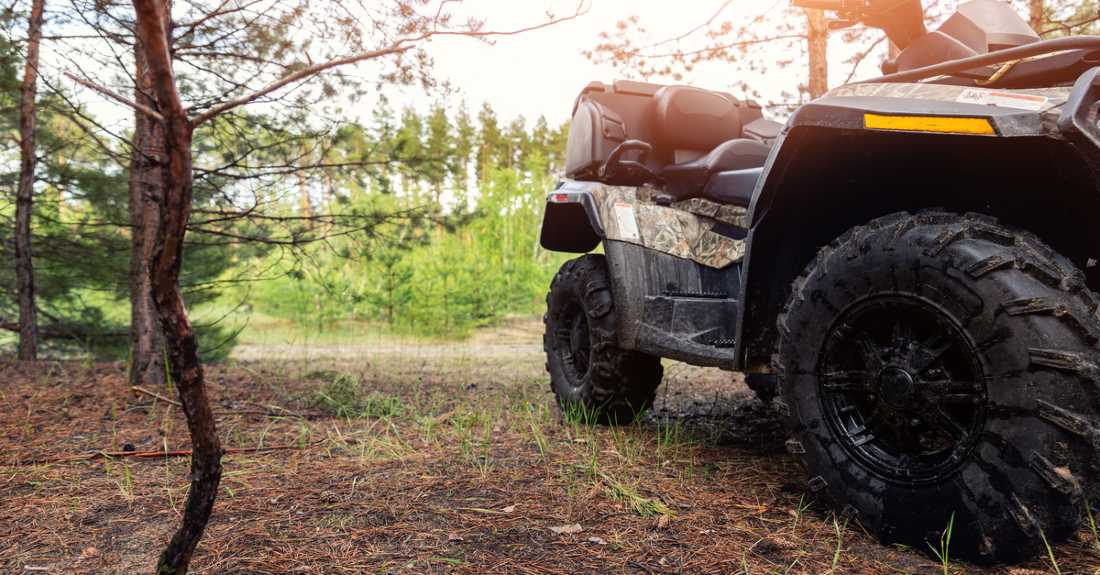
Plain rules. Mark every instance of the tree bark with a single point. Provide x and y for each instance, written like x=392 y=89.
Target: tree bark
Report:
x=24 y=195
x=817 y=43
x=305 y=204
x=1036 y=17
x=146 y=183
x=330 y=192
x=167 y=259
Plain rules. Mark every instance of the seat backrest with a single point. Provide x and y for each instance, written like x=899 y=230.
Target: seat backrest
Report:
x=692 y=121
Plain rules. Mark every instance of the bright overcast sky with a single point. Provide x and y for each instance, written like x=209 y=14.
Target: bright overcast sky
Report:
x=541 y=72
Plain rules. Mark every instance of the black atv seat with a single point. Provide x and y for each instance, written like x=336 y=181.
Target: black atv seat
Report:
x=689 y=122
x=689 y=179
x=693 y=134
x=734 y=187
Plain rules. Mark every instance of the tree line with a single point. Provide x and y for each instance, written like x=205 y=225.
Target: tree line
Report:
x=474 y=189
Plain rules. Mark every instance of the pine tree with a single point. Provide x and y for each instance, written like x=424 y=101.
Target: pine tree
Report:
x=438 y=152
x=1057 y=18
x=380 y=144
x=410 y=151
x=489 y=141
x=517 y=145
x=817 y=44
x=465 y=140
x=24 y=196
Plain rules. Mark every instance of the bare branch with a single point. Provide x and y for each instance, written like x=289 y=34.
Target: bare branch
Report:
x=107 y=92
x=582 y=8
x=302 y=74
x=722 y=47
x=216 y=12
x=859 y=58
x=397 y=47
x=709 y=21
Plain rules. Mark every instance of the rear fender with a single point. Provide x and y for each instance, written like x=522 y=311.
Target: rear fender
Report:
x=581 y=214
x=571 y=222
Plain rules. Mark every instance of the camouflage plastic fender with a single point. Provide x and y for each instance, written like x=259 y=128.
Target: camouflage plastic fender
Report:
x=684 y=229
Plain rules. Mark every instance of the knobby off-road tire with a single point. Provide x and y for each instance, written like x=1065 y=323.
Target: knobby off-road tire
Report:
x=589 y=373
x=938 y=365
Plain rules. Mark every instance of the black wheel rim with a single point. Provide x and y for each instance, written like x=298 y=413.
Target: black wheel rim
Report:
x=573 y=341
x=902 y=387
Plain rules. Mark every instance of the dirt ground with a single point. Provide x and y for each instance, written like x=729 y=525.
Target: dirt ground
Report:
x=412 y=459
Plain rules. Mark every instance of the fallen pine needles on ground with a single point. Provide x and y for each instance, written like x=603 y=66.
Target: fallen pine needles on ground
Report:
x=448 y=460
x=151 y=454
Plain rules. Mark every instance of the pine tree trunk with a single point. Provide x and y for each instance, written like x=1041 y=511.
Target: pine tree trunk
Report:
x=817 y=43
x=146 y=182
x=55 y=194
x=305 y=205
x=1035 y=14
x=330 y=192
x=180 y=344
x=24 y=196
x=330 y=200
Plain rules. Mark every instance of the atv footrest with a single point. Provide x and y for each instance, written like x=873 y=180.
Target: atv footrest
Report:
x=697 y=294
x=689 y=327
x=674 y=307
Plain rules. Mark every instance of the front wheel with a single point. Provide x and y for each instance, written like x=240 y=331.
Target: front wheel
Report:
x=589 y=374
x=938 y=369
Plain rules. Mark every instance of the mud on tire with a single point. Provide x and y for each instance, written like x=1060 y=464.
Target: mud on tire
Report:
x=588 y=371
x=938 y=365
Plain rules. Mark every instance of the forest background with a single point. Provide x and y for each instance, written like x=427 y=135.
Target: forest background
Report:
x=419 y=216
x=293 y=171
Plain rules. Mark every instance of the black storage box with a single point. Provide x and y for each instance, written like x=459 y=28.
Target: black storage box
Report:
x=603 y=117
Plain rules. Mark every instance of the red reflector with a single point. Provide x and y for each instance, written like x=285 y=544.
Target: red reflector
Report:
x=559 y=197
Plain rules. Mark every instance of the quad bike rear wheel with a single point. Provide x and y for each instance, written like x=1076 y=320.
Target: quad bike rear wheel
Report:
x=589 y=373
x=941 y=366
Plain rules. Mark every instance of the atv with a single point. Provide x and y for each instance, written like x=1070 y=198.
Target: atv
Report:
x=906 y=270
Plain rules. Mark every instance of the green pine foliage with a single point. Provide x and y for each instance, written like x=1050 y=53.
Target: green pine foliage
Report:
x=432 y=229
x=80 y=232
x=463 y=253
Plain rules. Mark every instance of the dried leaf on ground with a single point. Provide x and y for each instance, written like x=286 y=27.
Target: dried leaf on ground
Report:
x=571 y=529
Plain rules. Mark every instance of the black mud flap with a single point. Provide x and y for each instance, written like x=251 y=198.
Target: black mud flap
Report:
x=673 y=307
x=571 y=223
